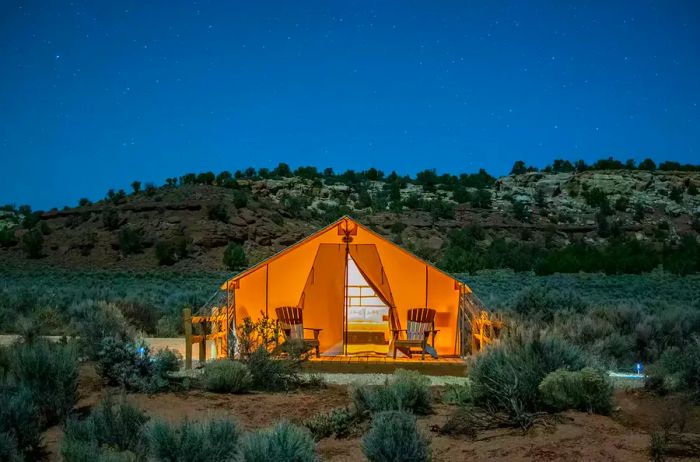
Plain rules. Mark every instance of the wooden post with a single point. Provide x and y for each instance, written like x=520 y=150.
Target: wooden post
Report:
x=203 y=345
x=187 y=323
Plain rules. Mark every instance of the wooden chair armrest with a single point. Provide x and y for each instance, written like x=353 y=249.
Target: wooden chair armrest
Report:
x=316 y=331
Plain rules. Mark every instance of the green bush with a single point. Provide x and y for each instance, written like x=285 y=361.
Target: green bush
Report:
x=405 y=390
x=340 y=422
x=93 y=320
x=226 y=376
x=115 y=427
x=171 y=251
x=20 y=424
x=506 y=376
x=587 y=390
x=195 y=442
x=8 y=449
x=234 y=257
x=166 y=361
x=218 y=212
x=33 y=243
x=130 y=365
x=130 y=241
x=284 y=442
x=458 y=394
x=394 y=437
x=110 y=218
x=240 y=199
x=270 y=373
x=50 y=373
x=7 y=237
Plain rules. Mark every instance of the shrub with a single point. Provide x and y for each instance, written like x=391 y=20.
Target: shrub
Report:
x=130 y=241
x=405 y=390
x=678 y=370
x=195 y=442
x=33 y=243
x=234 y=257
x=110 y=218
x=8 y=449
x=93 y=321
x=658 y=446
x=166 y=361
x=7 y=237
x=115 y=427
x=586 y=390
x=481 y=199
x=125 y=363
x=218 y=212
x=284 y=442
x=19 y=423
x=340 y=422
x=240 y=199
x=136 y=186
x=458 y=394
x=50 y=373
x=171 y=251
x=394 y=437
x=272 y=374
x=505 y=377
x=226 y=376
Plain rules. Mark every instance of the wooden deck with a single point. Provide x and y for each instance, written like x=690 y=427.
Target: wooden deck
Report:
x=377 y=364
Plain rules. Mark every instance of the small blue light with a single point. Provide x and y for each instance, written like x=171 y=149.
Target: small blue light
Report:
x=639 y=368
x=142 y=351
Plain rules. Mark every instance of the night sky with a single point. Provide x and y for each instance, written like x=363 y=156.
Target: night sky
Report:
x=94 y=95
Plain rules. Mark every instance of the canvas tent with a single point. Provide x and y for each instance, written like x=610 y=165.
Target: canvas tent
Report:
x=355 y=285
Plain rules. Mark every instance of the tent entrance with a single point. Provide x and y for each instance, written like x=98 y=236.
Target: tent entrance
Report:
x=367 y=316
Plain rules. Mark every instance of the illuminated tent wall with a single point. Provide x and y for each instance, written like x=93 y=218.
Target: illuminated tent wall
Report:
x=312 y=274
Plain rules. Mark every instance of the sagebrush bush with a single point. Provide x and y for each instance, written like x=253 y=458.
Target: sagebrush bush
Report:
x=129 y=364
x=404 y=390
x=394 y=437
x=270 y=373
x=110 y=427
x=341 y=422
x=458 y=394
x=234 y=257
x=166 y=361
x=33 y=243
x=506 y=376
x=20 y=422
x=93 y=321
x=50 y=373
x=284 y=442
x=195 y=441
x=120 y=363
x=677 y=370
x=8 y=448
x=226 y=376
x=587 y=390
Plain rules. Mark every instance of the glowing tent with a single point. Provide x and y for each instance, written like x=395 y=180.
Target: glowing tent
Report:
x=356 y=286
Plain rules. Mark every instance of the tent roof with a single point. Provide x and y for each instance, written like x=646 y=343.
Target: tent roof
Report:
x=346 y=218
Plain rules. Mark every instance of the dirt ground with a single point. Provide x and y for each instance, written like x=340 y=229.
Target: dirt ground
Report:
x=622 y=437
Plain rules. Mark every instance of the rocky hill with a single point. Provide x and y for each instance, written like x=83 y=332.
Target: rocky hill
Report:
x=194 y=223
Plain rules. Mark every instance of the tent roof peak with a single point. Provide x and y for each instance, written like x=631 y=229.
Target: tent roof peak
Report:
x=326 y=228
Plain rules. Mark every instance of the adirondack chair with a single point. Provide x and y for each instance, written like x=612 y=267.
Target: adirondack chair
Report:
x=420 y=326
x=291 y=320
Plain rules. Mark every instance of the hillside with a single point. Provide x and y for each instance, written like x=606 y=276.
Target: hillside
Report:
x=188 y=226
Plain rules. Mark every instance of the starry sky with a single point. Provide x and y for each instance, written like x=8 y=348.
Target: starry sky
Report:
x=96 y=94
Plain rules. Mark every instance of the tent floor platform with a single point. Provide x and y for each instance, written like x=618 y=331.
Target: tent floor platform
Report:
x=359 y=364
